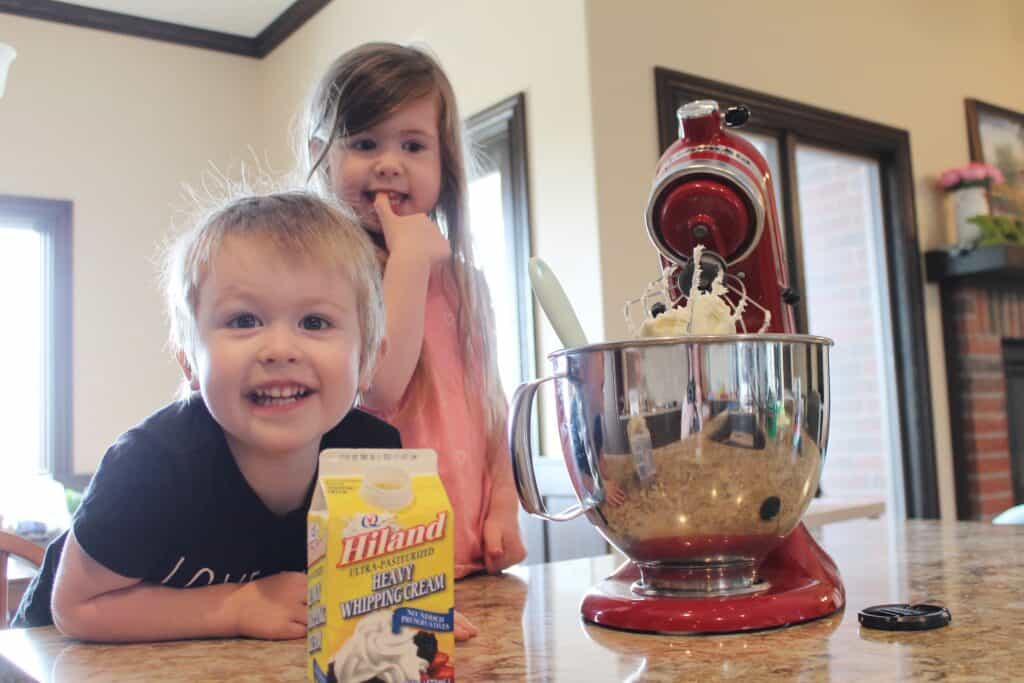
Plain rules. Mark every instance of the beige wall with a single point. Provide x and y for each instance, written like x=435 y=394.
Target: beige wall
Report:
x=908 y=64
x=116 y=125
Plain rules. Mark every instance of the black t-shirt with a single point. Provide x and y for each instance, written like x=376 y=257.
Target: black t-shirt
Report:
x=169 y=505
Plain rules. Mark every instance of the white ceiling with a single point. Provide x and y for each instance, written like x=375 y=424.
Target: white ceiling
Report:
x=240 y=17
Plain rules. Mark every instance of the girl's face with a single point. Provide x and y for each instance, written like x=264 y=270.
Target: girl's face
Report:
x=401 y=156
x=277 y=359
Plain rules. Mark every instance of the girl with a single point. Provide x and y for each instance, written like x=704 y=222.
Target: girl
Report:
x=383 y=136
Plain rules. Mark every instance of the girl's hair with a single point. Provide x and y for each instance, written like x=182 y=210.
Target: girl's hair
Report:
x=300 y=226
x=359 y=90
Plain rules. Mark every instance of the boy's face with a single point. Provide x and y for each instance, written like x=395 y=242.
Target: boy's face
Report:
x=277 y=358
x=401 y=155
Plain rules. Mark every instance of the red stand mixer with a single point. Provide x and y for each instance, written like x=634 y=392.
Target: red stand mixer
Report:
x=713 y=189
x=696 y=456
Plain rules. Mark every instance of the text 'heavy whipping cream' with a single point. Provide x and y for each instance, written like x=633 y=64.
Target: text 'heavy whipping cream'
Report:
x=381 y=560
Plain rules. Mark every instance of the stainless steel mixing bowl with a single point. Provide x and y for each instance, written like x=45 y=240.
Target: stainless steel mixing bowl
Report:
x=694 y=456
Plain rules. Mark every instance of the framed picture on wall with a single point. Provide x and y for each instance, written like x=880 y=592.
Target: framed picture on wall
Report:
x=996 y=137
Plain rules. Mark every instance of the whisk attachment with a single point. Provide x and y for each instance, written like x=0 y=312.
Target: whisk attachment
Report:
x=679 y=292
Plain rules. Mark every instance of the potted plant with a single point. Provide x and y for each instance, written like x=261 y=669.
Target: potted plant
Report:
x=966 y=189
x=999 y=230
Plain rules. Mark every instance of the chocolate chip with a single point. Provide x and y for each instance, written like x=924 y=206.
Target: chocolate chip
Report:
x=770 y=507
x=657 y=309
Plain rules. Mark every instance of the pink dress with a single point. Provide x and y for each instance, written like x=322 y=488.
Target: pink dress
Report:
x=434 y=413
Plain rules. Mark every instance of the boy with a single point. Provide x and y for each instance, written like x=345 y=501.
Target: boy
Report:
x=276 y=319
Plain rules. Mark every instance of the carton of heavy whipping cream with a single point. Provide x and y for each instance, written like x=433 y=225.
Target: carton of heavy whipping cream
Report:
x=380 y=562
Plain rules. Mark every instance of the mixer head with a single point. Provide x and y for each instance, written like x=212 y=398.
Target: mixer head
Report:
x=713 y=194
x=701 y=195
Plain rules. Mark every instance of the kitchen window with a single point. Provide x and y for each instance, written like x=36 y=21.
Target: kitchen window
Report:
x=500 y=222
x=35 y=296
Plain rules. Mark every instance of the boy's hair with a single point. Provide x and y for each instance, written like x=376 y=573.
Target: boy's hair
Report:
x=363 y=87
x=299 y=225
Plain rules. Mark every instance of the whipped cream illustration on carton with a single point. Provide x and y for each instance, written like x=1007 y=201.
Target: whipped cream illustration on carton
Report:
x=381 y=559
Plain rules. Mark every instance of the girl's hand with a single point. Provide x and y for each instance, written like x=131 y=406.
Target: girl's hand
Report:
x=503 y=546
x=414 y=234
x=464 y=628
x=271 y=608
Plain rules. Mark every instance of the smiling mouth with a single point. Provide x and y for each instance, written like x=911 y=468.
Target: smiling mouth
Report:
x=279 y=396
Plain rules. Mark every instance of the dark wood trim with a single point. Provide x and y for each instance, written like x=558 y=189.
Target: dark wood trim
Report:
x=115 y=22
x=776 y=116
x=910 y=343
x=973 y=131
x=62 y=383
x=973 y=108
x=88 y=17
x=772 y=114
x=53 y=219
x=287 y=23
x=1013 y=370
x=955 y=390
x=984 y=266
x=790 y=207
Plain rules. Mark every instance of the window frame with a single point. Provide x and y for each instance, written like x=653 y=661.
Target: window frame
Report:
x=790 y=122
x=52 y=219
x=499 y=133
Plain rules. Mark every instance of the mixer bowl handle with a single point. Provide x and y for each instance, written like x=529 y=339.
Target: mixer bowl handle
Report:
x=522 y=455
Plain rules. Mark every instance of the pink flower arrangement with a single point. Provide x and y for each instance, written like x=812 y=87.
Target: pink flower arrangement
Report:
x=973 y=174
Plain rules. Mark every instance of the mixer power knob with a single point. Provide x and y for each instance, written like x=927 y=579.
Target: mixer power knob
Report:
x=736 y=116
x=790 y=297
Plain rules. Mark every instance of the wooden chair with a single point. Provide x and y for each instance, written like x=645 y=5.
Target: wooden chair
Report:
x=19 y=547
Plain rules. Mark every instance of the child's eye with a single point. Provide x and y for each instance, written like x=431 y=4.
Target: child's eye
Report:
x=413 y=146
x=361 y=144
x=244 y=320
x=314 y=322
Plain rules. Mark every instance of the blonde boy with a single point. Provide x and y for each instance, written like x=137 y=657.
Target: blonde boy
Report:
x=276 y=320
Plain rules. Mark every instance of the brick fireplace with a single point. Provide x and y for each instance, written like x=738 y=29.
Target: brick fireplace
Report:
x=983 y=319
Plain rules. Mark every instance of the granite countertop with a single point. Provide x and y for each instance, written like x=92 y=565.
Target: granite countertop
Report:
x=531 y=629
